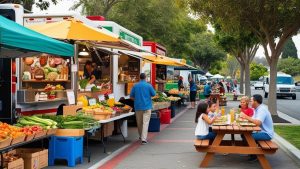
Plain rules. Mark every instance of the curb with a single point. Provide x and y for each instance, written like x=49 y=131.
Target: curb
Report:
x=286 y=146
x=291 y=150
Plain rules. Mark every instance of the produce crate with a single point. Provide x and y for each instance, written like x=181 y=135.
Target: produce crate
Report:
x=29 y=137
x=70 y=110
x=18 y=140
x=51 y=131
x=102 y=116
x=34 y=158
x=12 y=161
x=40 y=134
x=5 y=142
x=69 y=132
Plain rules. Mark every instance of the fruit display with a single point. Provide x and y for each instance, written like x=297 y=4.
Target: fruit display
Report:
x=46 y=67
x=160 y=97
x=177 y=92
x=173 y=91
x=10 y=131
x=172 y=98
x=29 y=130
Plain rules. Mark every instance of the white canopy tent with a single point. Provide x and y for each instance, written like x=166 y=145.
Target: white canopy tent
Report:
x=217 y=76
x=208 y=74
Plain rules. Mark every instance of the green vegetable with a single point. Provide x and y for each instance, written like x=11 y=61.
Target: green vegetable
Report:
x=83 y=83
x=95 y=89
x=39 y=120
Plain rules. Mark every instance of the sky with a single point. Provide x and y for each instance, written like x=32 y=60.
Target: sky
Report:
x=64 y=5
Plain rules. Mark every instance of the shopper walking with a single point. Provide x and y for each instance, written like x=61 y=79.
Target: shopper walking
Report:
x=141 y=93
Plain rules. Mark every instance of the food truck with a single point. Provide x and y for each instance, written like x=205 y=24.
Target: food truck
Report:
x=158 y=72
x=26 y=79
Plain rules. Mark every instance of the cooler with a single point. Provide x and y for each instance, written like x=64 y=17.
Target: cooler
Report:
x=165 y=116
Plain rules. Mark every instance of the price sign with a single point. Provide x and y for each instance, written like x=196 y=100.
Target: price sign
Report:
x=71 y=97
x=92 y=102
x=101 y=97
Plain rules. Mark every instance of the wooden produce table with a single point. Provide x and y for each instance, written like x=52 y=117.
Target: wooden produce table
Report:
x=235 y=147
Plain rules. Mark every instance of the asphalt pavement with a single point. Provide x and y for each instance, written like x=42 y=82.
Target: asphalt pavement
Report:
x=173 y=148
x=284 y=105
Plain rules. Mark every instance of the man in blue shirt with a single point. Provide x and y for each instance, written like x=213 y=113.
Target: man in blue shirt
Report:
x=141 y=93
x=207 y=90
x=262 y=118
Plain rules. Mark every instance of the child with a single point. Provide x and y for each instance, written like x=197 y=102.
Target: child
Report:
x=213 y=110
x=203 y=122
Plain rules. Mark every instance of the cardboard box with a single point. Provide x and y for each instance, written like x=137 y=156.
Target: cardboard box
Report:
x=16 y=164
x=71 y=109
x=34 y=158
x=108 y=129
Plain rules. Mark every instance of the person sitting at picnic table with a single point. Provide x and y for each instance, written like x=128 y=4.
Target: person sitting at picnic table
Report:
x=203 y=122
x=262 y=118
x=213 y=110
x=244 y=105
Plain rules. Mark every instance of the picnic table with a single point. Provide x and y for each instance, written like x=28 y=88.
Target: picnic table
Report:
x=219 y=145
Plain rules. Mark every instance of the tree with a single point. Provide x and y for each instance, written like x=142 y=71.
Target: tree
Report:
x=166 y=22
x=27 y=4
x=289 y=50
x=257 y=70
x=241 y=44
x=206 y=53
x=273 y=23
x=96 y=7
x=289 y=65
x=232 y=66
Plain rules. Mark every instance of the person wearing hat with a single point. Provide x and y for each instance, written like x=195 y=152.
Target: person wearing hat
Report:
x=142 y=94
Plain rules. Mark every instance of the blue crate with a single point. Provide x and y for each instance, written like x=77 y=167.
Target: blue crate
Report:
x=67 y=148
x=154 y=125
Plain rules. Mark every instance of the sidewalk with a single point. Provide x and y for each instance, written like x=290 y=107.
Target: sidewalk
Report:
x=173 y=148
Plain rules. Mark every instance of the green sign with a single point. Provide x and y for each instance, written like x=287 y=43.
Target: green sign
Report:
x=130 y=38
x=108 y=28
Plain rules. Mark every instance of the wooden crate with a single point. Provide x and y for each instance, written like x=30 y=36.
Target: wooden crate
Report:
x=5 y=142
x=40 y=134
x=18 y=140
x=29 y=137
x=69 y=132
x=51 y=131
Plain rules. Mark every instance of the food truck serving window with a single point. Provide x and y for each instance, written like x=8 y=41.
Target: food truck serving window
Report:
x=95 y=70
x=128 y=69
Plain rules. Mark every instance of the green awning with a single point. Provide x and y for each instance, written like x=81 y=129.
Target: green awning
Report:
x=14 y=37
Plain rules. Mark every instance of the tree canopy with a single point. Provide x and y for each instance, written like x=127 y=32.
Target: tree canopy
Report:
x=257 y=70
x=27 y=4
x=289 y=65
x=289 y=49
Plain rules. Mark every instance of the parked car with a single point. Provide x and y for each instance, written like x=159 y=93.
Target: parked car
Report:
x=259 y=85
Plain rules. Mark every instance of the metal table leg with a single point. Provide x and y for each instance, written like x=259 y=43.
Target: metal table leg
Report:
x=119 y=125
x=87 y=150
x=102 y=138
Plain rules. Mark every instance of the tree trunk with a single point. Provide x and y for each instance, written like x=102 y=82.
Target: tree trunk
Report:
x=272 y=100
x=247 y=80
x=242 y=75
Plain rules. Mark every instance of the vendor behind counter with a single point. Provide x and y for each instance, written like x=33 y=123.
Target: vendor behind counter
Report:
x=90 y=72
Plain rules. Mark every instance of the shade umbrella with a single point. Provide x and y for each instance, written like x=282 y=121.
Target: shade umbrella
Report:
x=208 y=74
x=73 y=29
x=217 y=76
x=19 y=41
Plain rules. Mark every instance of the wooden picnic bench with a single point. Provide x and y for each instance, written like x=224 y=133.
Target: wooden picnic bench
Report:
x=218 y=145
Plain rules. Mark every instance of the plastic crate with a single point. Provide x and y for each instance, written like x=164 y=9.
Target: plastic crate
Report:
x=67 y=148
x=165 y=116
x=154 y=125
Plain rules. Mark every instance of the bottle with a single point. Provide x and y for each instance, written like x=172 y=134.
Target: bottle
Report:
x=223 y=111
x=231 y=115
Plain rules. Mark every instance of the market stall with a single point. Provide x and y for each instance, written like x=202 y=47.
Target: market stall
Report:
x=18 y=41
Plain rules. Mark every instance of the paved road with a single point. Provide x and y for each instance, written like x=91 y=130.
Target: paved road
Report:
x=285 y=105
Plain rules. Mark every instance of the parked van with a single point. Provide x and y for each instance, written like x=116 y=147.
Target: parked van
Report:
x=285 y=86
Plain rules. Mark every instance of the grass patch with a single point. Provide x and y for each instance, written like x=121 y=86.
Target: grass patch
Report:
x=297 y=78
x=289 y=133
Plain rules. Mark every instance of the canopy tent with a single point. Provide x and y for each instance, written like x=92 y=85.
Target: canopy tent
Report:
x=18 y=41
x=203 y=78
x=152 y=58
x=217 y=76
x=74 y=30
x=208 y=74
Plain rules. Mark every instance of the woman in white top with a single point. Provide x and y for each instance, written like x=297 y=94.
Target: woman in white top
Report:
x=203 y=122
